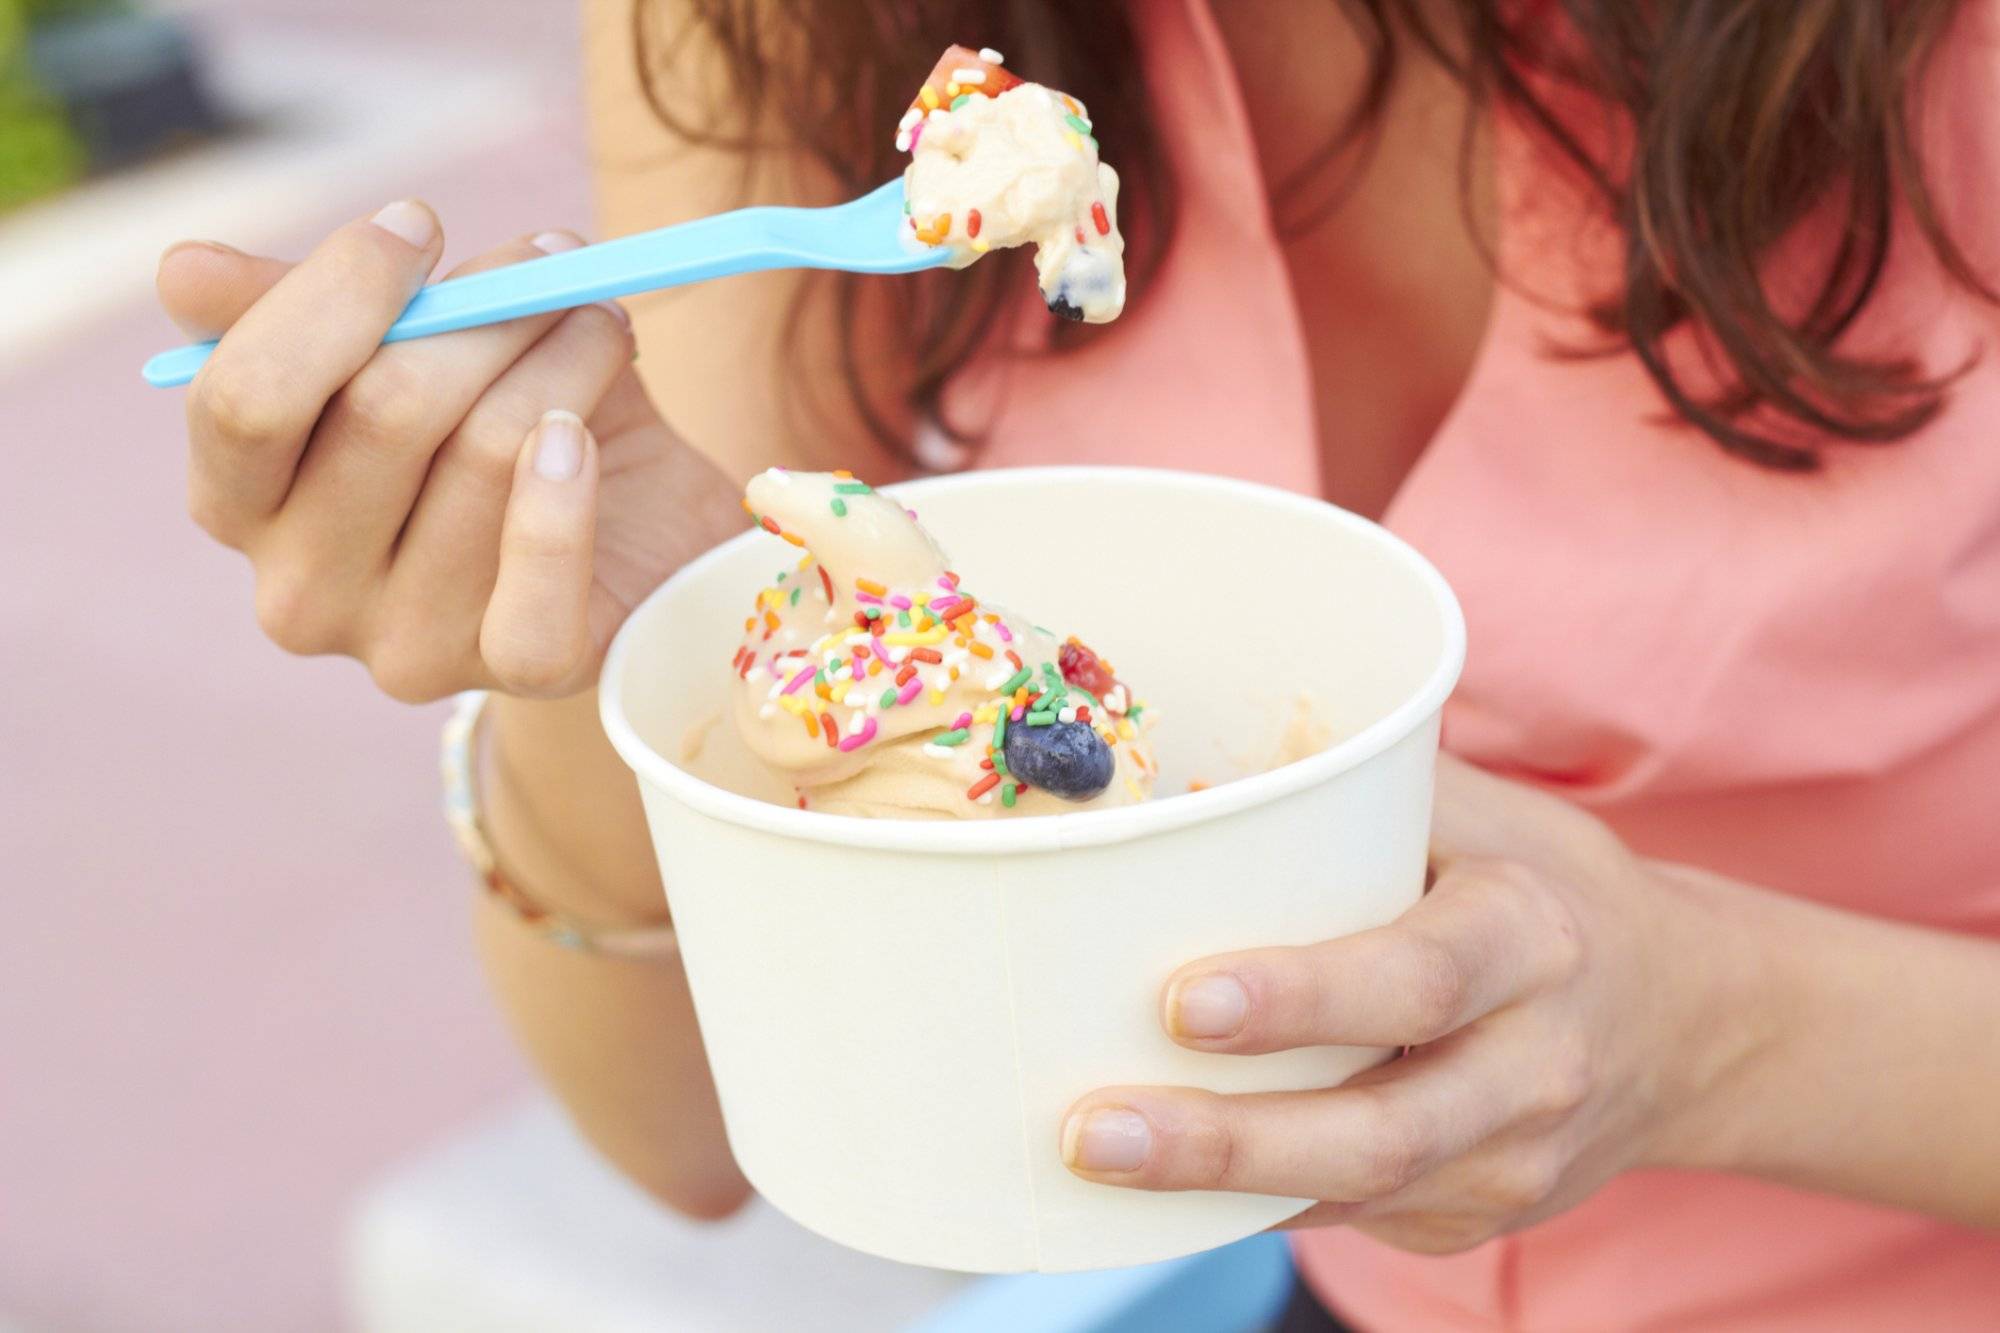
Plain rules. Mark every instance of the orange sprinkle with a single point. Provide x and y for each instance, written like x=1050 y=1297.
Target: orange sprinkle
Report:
x=1196 y=784
x=1014 y=657
x=793 y=538
x=979 y=650
x=829 y=730
x=1021 y=697
x=972 y=223
x=871 y=587
x=1100 y=220
x=746 y=507
x=954 y=673
x=824 y=691
x=981 y=787
x=843 y=474
x=903 y=676
x=875 y=667
x=812 y=725
x=770 y=620
x=925 y=655
x=768 y=525
x=750 y=623
x=986 y=763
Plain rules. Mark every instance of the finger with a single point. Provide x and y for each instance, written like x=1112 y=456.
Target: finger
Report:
x=252 y=405
x=1476 y=814
x=1365 y=1140
x=205 y=286
x=1483 y=937
x=443 y=569
x=368 y=456
x=535 y=638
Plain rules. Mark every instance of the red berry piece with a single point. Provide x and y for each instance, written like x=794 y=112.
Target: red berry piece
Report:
x=1085 y=669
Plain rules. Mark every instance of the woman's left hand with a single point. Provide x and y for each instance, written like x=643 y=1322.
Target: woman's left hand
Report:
x=1566 y=1002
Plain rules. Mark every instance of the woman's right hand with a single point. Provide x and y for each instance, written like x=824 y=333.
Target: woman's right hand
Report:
x=437 y=508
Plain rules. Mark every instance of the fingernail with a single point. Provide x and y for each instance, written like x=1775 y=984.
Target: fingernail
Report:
x=1210 y=1006
x=408 y=221
x=555 y=242
x=559 y=446
x=179 y=246
x=1107 y=1140
x=617 y=312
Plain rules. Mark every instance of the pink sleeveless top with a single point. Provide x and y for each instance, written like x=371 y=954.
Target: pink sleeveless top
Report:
x=1793 y=680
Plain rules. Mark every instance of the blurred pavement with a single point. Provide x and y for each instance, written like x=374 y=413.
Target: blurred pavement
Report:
x=234 y=979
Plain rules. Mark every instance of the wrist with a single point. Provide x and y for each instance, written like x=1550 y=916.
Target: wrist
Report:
x=563 y=813
x=1730 y=1037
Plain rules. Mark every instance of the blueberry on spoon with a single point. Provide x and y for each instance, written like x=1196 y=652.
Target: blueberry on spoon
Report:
x=1066 y=759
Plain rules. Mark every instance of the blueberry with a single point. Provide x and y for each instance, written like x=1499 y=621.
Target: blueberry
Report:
x=1064 y=308
x=1066 y=759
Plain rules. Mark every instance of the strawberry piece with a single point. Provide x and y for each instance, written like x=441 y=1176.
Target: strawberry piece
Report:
x=1085 y=669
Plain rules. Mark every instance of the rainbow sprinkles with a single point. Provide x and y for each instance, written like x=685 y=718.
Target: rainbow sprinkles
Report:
x=868 y=641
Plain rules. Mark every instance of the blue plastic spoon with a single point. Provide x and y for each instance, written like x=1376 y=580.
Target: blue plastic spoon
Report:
x=865 y=235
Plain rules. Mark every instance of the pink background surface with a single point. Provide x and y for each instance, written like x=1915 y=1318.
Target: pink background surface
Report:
x=234 y=975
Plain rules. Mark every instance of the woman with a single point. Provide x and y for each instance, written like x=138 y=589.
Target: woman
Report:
x=1654 y=326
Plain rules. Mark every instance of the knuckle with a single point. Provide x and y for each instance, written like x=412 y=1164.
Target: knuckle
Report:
x=1526 y=1184
x=236 y=405
x=386 y=401
x=293 y=614
x=407 y=677
x=1568 y=1079
x=1393 y=1153
x=1437 y=989
x=527 y=665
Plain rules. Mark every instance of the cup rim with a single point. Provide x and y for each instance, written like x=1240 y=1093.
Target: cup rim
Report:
x=1044 y=833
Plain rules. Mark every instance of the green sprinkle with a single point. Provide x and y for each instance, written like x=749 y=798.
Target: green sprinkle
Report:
x=1016 y=681
x=819 y=676
x=781 y=575
x=851 y=488
x=1132 y=713
x=839 y=507
x=903 y=619
x=999 y=733
x=1049 y=674
x=1040 y=630
x=959 y=101
x=1007 y=795
x=889 y=697
x=1078 y=123
x=1038 y=718
x=999 y=762
x=1078 y=689
x=795 y=595
x=956 y=736
x=874 y=613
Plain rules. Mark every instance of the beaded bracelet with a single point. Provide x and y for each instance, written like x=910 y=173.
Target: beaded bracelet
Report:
x=461 y=812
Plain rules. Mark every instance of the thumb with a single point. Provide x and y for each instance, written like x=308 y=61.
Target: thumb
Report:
x=535 y=637
x=206 y=286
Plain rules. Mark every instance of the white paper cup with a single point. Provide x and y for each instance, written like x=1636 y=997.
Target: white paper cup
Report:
x=898 y=1012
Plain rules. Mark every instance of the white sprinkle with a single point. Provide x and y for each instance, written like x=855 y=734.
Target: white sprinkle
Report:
x=937 y=113
x=995 y=682
x=902 y=141
x=910 y=118
x=755 y=673
x=991 y=57
x=987 y=799
x=767 y=711
x=939 y=751
x=968 y=75
x=1066 y=715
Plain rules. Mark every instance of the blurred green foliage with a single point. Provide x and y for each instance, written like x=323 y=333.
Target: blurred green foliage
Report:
x=38 y=153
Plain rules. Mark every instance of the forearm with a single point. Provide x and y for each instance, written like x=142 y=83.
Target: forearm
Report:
x=615 y=1039
x=1866 y=1061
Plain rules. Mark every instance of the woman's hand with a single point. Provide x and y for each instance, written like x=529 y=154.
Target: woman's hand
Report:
x=437 y=508
x=1567 y=1003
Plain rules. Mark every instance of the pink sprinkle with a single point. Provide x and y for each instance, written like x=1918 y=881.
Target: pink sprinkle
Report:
x=805 y=674
x=870 y=598
x=911 y=512
x=947 y=607
x=900 y=602
x=861 y=737
x=1006 y=635
x=1017 y=714
x=911 y=690
x=964 y=720
x=944 y=581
